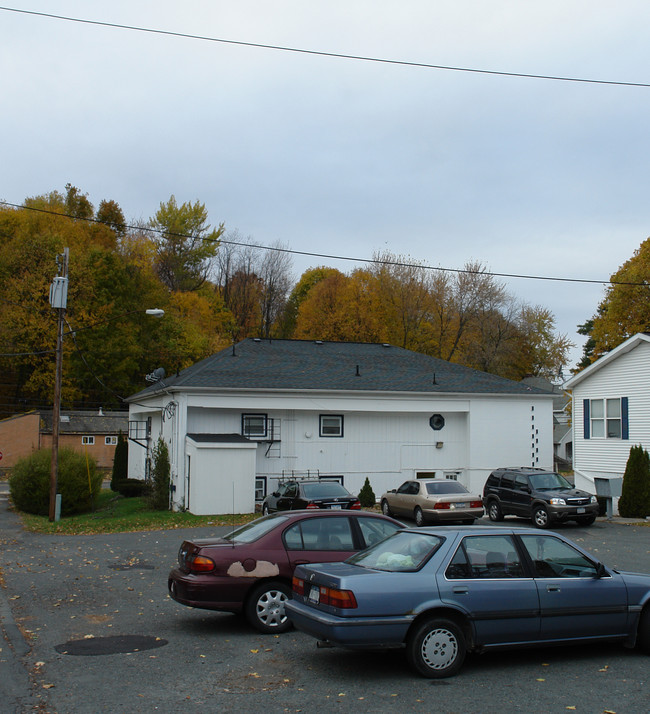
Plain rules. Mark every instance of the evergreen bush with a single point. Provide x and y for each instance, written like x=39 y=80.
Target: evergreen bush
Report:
x=635 y=496
x=120 y=470
x=78 y=482
x=160 y=470
x=132 y=487
x=367 y=495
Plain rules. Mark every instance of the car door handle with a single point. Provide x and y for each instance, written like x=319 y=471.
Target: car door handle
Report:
x=553 y=589
x=460 y=590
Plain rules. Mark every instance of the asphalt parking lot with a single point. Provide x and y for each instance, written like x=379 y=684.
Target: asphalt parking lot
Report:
x=88 y=627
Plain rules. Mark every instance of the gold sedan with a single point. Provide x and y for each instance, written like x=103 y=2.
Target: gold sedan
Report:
x=433 y=501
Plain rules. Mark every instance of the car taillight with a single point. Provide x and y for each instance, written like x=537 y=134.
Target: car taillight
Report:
x=200 y=564
x=298 y=585
x=337 y=598
x=356 y=506
x=311 y=505
x=442 y=506
x=327 y=596
x=476 y=504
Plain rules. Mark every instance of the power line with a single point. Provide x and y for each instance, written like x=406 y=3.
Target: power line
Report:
x=329 y=256
x=319 y=53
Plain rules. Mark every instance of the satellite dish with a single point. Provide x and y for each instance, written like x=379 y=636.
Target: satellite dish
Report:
x=156 y=375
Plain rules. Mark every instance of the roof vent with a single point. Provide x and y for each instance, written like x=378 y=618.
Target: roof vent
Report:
x=256 y=339
x=358 y=371
x=385 y=344
x=318 y=342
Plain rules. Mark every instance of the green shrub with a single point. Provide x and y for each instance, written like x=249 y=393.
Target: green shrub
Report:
x=120 y=470
x=635 y=496
x=367 y=495
x=160 y=470
x=132 y=487
x=78 y=482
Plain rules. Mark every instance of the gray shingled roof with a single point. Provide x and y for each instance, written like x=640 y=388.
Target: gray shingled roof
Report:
x=87 y=422
x=334 y=366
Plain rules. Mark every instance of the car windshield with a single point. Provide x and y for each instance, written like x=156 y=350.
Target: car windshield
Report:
x=442 y=487
x=324 y=489
x=403 y=551
x=549 y=482
x=255 y=529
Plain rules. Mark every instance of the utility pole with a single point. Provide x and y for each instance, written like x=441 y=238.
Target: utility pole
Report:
x=59 y=301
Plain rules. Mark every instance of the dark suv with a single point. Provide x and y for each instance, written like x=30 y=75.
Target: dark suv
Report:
x=542 y=495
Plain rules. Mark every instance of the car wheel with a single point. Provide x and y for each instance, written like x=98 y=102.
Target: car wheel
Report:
x=265 y=607
x=265 y=509
x=436 y=648
x=494 y=511
x=586 y=520
x=540 y=517
x=644 y=631
x=418 y=516
x=385 y=508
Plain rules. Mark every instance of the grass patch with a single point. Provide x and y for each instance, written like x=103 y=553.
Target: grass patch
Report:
x=116 y=514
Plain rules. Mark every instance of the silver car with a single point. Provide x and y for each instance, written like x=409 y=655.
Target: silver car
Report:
x=434 y=500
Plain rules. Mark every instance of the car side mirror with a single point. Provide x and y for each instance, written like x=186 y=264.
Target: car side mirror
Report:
x=600 y=570
x=393 y=490
x=275 y=494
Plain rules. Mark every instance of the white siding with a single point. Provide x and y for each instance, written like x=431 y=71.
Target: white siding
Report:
x=626 y=376
x=386 y=438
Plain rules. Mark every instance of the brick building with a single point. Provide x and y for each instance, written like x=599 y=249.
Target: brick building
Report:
x=93 y=433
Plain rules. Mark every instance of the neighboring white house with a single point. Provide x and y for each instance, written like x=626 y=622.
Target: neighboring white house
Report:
x=238 y=422
x=611 y=412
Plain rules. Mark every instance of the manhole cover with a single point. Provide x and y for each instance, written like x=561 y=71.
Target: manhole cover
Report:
x=132 y=564
x=120 y=644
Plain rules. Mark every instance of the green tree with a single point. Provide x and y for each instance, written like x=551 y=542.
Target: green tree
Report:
x=120 y=471
x=109 y=343
x=160 y=471
x=367 y=495
x=635 y=497
x=185 y=245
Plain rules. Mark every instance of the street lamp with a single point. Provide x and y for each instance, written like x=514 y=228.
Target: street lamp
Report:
x=58 y=300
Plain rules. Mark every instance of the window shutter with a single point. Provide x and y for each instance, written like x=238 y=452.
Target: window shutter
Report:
x=585 y=416
x=625 y=426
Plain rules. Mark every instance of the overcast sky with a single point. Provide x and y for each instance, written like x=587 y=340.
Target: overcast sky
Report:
x=347 y=157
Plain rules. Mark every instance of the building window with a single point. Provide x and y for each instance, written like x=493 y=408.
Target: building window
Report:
x=260 y=488
x=606 y=418
x=88 y=440
x=254 y=426
x=331 y=425
x=110 y=440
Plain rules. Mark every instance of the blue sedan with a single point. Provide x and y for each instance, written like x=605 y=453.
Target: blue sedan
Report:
x=443 y=592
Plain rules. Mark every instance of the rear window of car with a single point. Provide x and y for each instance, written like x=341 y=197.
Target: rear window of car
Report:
x=254 y=530
x=404 y=551
x=324 y=489
x=320 y=534
x=435 y=489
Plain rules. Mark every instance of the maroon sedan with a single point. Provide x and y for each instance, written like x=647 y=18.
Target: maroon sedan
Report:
x=249 y=570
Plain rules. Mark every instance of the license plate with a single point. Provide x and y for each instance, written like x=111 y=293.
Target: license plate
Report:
x=461 y=505
x=336 y=506
x=581 y=510
x=314 y=594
